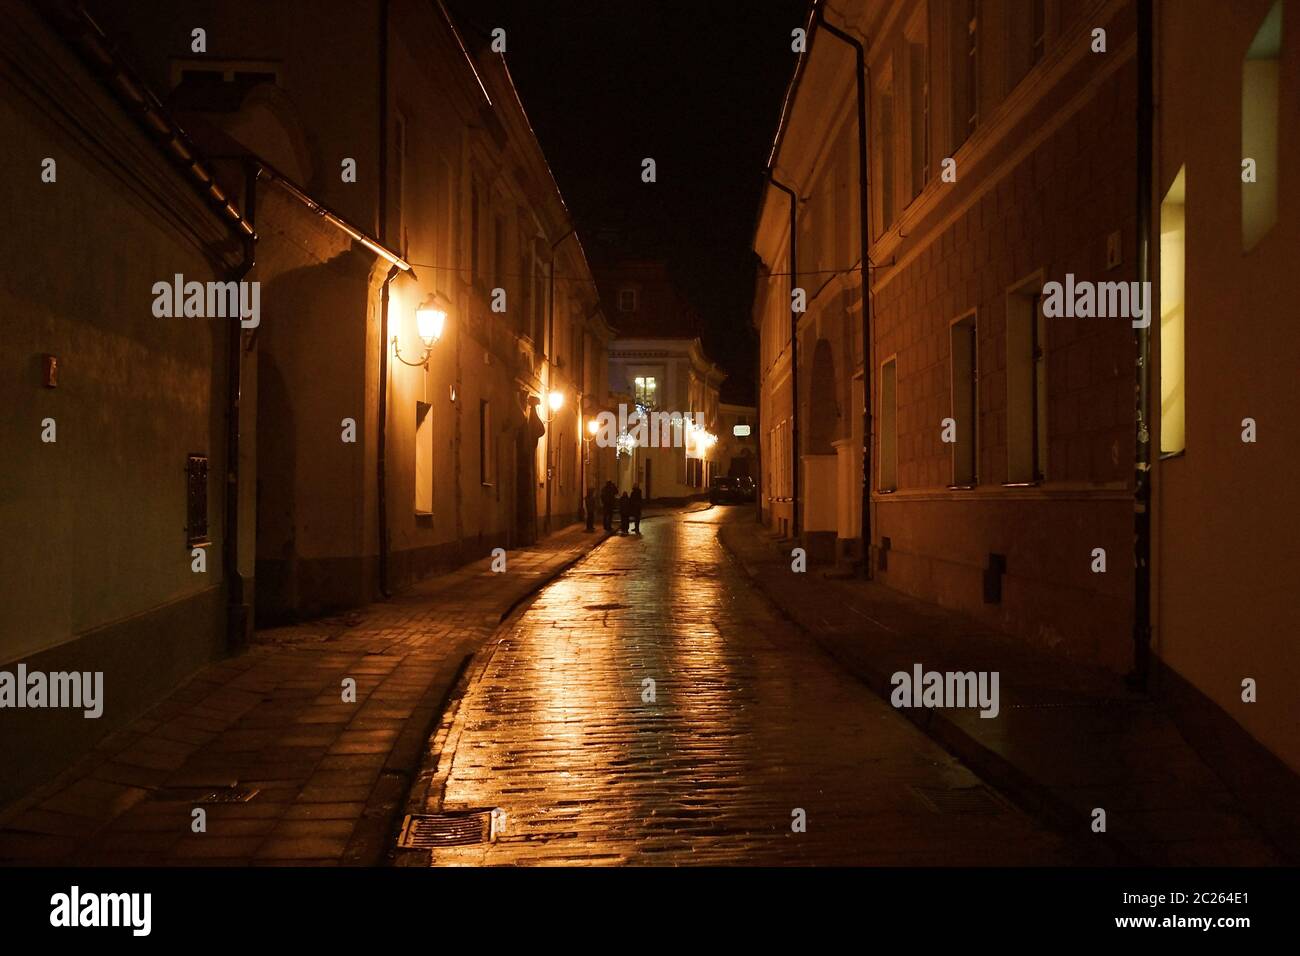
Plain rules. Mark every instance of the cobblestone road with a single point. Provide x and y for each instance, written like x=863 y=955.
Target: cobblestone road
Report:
x=749 y=723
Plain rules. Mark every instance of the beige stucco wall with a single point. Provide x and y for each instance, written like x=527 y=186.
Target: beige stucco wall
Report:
x=1226 y=511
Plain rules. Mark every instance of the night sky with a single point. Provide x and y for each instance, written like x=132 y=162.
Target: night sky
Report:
x=695 y=85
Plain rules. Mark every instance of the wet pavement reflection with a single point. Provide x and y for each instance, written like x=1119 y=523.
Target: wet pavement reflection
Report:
x=651 y=708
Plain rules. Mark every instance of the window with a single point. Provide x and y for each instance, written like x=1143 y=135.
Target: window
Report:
x=1038 y=30
x=486 y=445
x=627 y=300
x=1259 y=108
x=499 y=252
x=1026 y=22
x=645 y=389
x=965 y=400
x=886 y=147
x=423 y=458
x=694 y=472
x=964 y=69
x=522 y=307
x=918 y=105
x=196 y=501
x=475 y=271
x=1173 y=246
x=539 y=306
x=1026 y=387
x=889 y=426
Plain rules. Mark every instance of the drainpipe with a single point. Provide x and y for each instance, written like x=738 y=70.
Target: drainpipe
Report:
x=381 y=442
x=550 y=371
x=1142 y=340
x=238 y=612
x=794 y=355
x=864 y=233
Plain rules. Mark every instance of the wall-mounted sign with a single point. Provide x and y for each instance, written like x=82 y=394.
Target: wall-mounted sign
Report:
x=740 y=431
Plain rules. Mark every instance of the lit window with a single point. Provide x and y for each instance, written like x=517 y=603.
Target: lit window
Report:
x=1173 y=246
x=645 y=390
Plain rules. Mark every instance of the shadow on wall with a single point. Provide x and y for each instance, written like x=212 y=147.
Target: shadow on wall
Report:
x=312 y=362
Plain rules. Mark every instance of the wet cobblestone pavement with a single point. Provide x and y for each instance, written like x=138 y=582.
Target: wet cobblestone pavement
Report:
x=749 y=723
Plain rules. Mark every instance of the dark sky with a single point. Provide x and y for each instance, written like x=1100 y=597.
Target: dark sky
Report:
x=695 y=85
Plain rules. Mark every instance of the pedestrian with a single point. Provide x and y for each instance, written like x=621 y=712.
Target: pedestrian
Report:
x=607 y=504
x=624 y=513
x=635 y=502
x=590 y=504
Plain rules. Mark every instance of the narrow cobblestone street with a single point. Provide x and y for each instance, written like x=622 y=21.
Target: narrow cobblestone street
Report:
x=749 y=723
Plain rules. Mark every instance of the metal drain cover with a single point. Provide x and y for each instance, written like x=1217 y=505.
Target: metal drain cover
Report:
x=960 y=800
x=426 y=831
x=603 y=607
x=207 y=794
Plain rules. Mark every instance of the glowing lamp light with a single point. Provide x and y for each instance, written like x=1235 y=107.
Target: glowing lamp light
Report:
x=555 y=400
x=430 y=319
x=593 y=426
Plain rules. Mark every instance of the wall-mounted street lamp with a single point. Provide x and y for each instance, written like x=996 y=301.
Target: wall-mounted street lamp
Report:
x=430 y=320
x=554 y=401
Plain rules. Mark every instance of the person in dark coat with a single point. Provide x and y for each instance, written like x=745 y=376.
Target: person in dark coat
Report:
x=635 y=502
x=590 y=504
x=624 y=513
x=607 y=495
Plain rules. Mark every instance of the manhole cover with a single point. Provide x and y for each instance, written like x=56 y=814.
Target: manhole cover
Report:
x=424 y=831
x=960 y=800
x=207 y=794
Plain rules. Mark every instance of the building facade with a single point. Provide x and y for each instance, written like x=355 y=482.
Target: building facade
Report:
x=1225 y=350
x=117 y=537
x=386 y=455
x=659 y=373
x=1031 y=402
x=991 y=423
x=410 y=394
x=738 y=440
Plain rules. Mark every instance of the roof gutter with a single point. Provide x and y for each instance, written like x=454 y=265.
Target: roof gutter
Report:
x=95 y=48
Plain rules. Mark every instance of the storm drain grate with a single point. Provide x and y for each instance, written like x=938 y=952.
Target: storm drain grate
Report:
x=426 y=831
x=960 y=800
x=207 y=794
x=603 y=607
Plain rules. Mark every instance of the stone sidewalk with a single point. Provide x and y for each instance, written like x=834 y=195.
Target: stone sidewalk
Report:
x=328 y=776
x=1068 y=739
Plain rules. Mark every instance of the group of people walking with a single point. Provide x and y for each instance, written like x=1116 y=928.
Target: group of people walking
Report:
x=627 y=505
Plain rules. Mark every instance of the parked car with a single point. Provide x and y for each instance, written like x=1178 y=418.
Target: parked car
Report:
x=728 y=490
